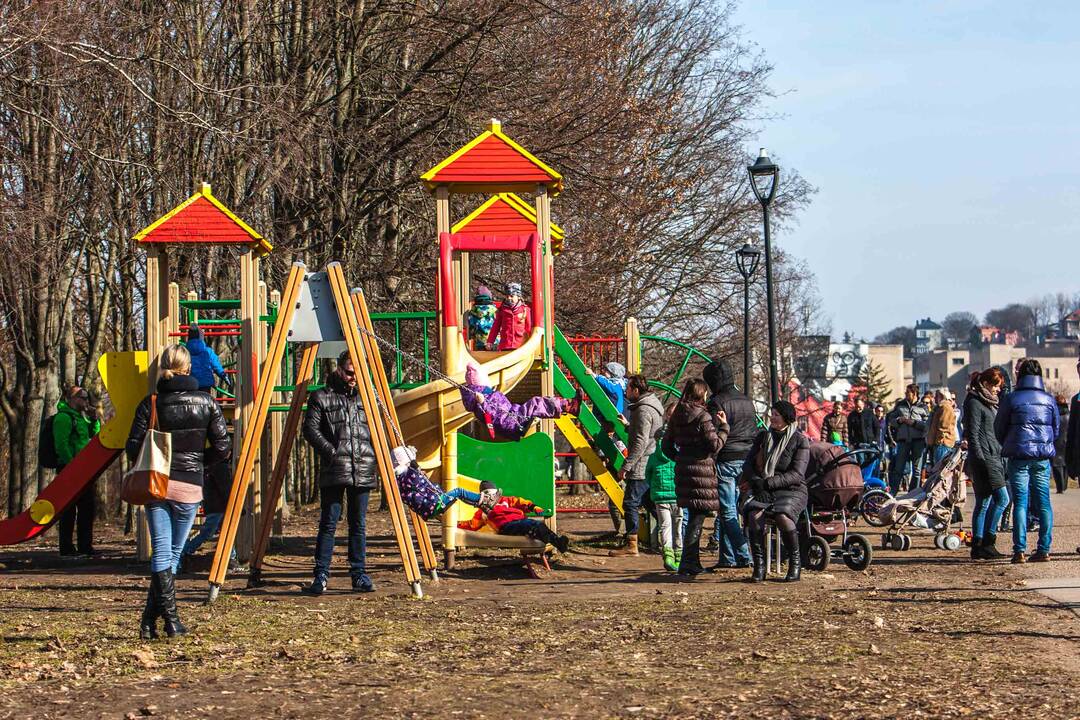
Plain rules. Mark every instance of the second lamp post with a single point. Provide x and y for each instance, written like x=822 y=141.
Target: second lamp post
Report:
x=765 y=170
x=746 y=259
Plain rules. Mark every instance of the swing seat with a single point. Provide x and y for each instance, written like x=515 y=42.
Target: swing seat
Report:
x=479 y=539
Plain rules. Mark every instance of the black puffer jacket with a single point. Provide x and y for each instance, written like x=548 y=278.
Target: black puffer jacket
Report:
x=193 y=418
x=1072 y=442
x=739 y=409
x=692 y=440
x=984 y=462
x=786 y=488
x=336 y=426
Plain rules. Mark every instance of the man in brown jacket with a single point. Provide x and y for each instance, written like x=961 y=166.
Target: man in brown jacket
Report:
x=941 y=430
x=834 y=426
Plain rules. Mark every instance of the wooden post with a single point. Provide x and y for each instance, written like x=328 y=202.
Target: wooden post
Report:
x=157 y=322
x=277 y=423
x=351 y=327
x=193 y=314
x=281 y=463
x=448 y=452
x=253 y=431
x=174 y=313
x=632 y=336
x=382 y=390
x=245 y=395
x=547 y=379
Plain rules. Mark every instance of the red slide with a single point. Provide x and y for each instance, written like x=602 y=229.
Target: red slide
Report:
x=84 y=468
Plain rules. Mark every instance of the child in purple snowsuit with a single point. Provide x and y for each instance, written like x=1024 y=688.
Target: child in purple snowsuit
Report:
x=504 y=418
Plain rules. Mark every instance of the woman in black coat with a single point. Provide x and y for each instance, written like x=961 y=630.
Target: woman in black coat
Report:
x=774 y=476
x=199 y=435
x=692 y=439
x=984 y=462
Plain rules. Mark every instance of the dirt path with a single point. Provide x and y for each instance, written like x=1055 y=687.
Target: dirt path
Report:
x=922 y=633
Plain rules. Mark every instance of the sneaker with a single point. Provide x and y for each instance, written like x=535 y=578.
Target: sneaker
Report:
x=1039 y=556
x=362 y=583
x=69 y=553
x=1018 y=558
x=317 y=587
x=235 y=566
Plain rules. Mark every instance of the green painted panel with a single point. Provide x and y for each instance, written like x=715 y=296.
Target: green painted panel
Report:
x=525 y=468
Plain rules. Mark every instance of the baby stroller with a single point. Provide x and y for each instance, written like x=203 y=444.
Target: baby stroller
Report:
x=933 y=506
x=834 y=481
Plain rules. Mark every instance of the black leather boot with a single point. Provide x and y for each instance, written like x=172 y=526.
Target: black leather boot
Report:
x=150 y=613
x=757 y=555
x=167 y=590
x=794 y=555
x=990 y=551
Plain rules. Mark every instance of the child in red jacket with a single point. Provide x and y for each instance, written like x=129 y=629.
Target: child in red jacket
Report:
x=506 y=516
x=513 y=321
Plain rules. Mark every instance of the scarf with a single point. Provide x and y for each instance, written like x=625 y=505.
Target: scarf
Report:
x=772 y=449
x=989 y=400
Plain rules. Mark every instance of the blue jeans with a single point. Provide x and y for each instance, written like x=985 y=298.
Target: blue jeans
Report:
x=988 y=511
x=633 y=497
x=1029 y=480
x=529 y=527
x=356 y=501
x=907 y=451
x=459 y=493
x=938 y=452
x=169 y=522
x=727 y=531
x=211 y=525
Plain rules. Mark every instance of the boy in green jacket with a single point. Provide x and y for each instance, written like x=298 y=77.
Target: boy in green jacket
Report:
x=73 y=426
x=660 y=474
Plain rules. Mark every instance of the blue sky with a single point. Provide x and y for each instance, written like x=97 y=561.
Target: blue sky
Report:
x=944 y=140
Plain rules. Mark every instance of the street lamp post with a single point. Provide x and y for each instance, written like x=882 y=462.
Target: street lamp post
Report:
x=746 y=259
x=765 y=170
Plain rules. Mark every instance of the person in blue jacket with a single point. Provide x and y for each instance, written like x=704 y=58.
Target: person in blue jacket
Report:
x=1027 y=426
x=204 y=361
x=613 y=383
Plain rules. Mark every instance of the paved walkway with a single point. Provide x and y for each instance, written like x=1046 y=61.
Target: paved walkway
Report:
x=1059 y=580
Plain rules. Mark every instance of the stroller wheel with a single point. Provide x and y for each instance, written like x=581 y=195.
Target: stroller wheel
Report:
x=871 y=504
x=857 y=552
x=895 y=542
x=906 y=540
x=938 y=541
x=816 y=554
x=951 y=542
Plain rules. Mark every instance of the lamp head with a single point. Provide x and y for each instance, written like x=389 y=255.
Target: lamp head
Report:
x=747 y=258
x=763 y=171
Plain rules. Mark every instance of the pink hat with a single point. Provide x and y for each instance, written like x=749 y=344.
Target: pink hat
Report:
x=474 y=375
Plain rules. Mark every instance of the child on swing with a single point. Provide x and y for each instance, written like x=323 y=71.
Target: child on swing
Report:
x=504 y=418
x=418 y=492
x=505 y=514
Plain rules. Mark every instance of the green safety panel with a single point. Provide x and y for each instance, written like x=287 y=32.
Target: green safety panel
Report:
x=525 y=468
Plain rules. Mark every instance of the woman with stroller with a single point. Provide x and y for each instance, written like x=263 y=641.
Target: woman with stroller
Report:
x=775 y=480
x=984 y=463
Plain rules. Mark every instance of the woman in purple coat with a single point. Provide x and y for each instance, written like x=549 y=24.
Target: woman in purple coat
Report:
x=507 y=419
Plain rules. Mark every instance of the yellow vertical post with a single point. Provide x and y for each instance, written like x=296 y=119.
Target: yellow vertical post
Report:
x=304 y=373
x=382 y=390
x=157 y=318
x=351 y=327
x=632 y=336
x=547 y=287
x=174 y=312
x=194 y=312
x=450 y=347
x=253 y=431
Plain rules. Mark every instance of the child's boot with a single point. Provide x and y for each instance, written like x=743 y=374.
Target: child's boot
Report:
x=678 y=556
x=629 y=550
x=669 y=560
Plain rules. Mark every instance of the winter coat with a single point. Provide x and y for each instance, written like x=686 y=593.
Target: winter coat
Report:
x=984 y=462
x=193 y=418
x=1072 y=442
x=71 y=432
x=692 y=440
x=646 y=419
x=1027 y=421
x=914 y=411
x=1060 y=454
x=862 y=427
x=660 y=474
x=834 y=424
x=615 y=389
x=786 y=489
x=505 y=421
x=217 y=486
x=336 y=426
x=204 y=361
x=739 y=410
x=508 y=509
x=512 y=325
x=479 y=320
x=941 y=429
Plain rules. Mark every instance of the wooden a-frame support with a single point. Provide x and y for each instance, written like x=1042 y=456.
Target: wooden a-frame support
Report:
x=253 y=431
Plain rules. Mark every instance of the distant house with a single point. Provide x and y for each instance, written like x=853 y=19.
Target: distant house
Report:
x=1070 y=325
x=928 y=336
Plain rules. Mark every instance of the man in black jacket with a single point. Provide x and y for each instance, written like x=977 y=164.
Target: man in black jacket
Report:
x=742 y=421
x=337 y=428
x=861 y=427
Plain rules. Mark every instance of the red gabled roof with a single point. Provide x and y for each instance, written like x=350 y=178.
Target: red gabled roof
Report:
x=492 y=162
x=507 y=214
x=202 y=219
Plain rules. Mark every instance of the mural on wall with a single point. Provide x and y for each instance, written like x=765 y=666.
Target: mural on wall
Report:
x=825 y=373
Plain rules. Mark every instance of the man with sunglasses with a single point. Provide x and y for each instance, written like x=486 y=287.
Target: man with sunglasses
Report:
x=73 y=426
x=336 y=426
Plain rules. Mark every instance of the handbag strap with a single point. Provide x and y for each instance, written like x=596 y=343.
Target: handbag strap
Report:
x=153 y=411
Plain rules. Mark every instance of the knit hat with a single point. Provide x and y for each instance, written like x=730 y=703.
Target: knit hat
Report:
x=513 y=289
x=489 y=495
x=475 y=375
x=403 y=456
x=786 y=410
x=483 y=295
x=194 y=332
x=617 y=370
